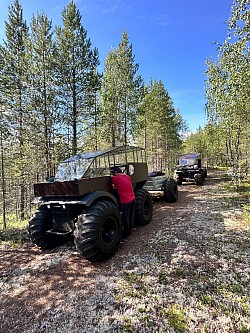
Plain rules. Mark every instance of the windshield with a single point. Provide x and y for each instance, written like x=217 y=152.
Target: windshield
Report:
x=187 y=161
x=72 y=169
x=97 y=163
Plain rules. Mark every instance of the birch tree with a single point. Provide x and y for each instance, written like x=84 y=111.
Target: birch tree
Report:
x=227 y=89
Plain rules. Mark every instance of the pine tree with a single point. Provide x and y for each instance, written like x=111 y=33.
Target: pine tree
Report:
x=159 y=127
x=42 y=57
x=2 y=169
x=120 y=94
x=77 y=75
x=110 y=100
x=15 y=89
x=2 y=146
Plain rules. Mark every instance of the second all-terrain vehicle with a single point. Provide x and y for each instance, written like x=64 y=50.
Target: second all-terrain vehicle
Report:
x=189 y=168
x=161 y=185
x=81 y=201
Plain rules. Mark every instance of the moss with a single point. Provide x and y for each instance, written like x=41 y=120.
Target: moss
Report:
x=148 y=321
x=244 y=329
x=207 y=299
x=128 y=324
x=176 y=318
x=131 y=277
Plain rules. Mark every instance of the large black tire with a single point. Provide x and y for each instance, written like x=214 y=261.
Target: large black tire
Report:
x=199 y=179
x=143 y=207
x=98 y=231
x=204 y=172
x=179 y=179
x=170 y=190
x=37 y=227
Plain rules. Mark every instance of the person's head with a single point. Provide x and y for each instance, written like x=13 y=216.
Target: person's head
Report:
x=115 y=170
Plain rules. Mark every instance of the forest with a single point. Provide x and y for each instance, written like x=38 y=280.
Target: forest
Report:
x=55 y=103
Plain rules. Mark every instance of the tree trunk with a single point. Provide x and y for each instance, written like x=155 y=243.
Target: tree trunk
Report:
x=125 y=122
x=3 y=181
x=21 y=147
x=74 y=146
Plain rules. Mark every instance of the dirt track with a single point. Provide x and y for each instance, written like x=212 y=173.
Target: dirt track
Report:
x=187 y=271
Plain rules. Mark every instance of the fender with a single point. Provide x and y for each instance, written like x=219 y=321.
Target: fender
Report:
x=88 y=199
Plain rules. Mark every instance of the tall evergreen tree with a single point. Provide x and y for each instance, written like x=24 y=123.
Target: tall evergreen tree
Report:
x=76 y=72
x=2 y=177
x=159 y=127
x=2 y=146
x=120 y=93
x=109 y=100
x=42 y=57
x=92 y=138
x=2 y=170
x=15 y=89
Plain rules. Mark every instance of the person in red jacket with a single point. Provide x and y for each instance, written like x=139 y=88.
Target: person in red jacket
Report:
x=123 y=184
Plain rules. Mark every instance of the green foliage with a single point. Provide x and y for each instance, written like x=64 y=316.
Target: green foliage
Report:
x=240 y=197
x=244 y=329
x=131 y=277
x=246 y=212
x=77 y=75
x=120 y=94
x=208 y=142
x=14 y=88
x=54 y=103
x=227 y=91
x=159 y=127
x=47 y=85
x=41 y=52
x=176 y=317
x=16 y=232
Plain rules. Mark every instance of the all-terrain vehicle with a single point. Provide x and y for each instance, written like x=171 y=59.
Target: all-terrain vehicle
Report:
x=81 y=201
x=189 y=169
x=158 y=184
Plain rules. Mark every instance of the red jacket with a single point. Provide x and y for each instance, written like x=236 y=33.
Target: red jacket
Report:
x=124 y=187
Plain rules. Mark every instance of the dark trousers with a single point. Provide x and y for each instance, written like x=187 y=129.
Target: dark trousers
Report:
x=128 y=212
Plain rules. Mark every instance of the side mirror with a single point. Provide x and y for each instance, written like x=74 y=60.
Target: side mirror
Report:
x=50 y=179
x=131 y=169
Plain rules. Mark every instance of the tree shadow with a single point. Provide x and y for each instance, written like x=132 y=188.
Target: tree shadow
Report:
x=33 y=283
x=188 y=239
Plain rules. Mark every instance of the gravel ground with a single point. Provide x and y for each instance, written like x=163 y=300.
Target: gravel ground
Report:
x=187 y=271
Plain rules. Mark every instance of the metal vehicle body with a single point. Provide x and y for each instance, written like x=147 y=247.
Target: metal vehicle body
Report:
x=81 y=201
x=158 y=184
x=189 y=169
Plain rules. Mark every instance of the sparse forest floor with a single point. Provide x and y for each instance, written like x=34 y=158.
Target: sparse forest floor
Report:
x=187 y=271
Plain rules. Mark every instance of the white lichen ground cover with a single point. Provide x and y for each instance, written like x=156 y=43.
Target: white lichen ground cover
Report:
x=203 y=287
x=194 y=277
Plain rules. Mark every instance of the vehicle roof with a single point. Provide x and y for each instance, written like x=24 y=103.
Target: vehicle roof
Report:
x=191 y=155
x=98 y=153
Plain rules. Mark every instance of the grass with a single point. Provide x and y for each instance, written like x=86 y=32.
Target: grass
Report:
x=239 y=198
x=246 y=212
x=16 y=232
x=243 y=189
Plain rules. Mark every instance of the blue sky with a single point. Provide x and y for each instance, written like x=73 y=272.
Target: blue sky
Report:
x=171 y=39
